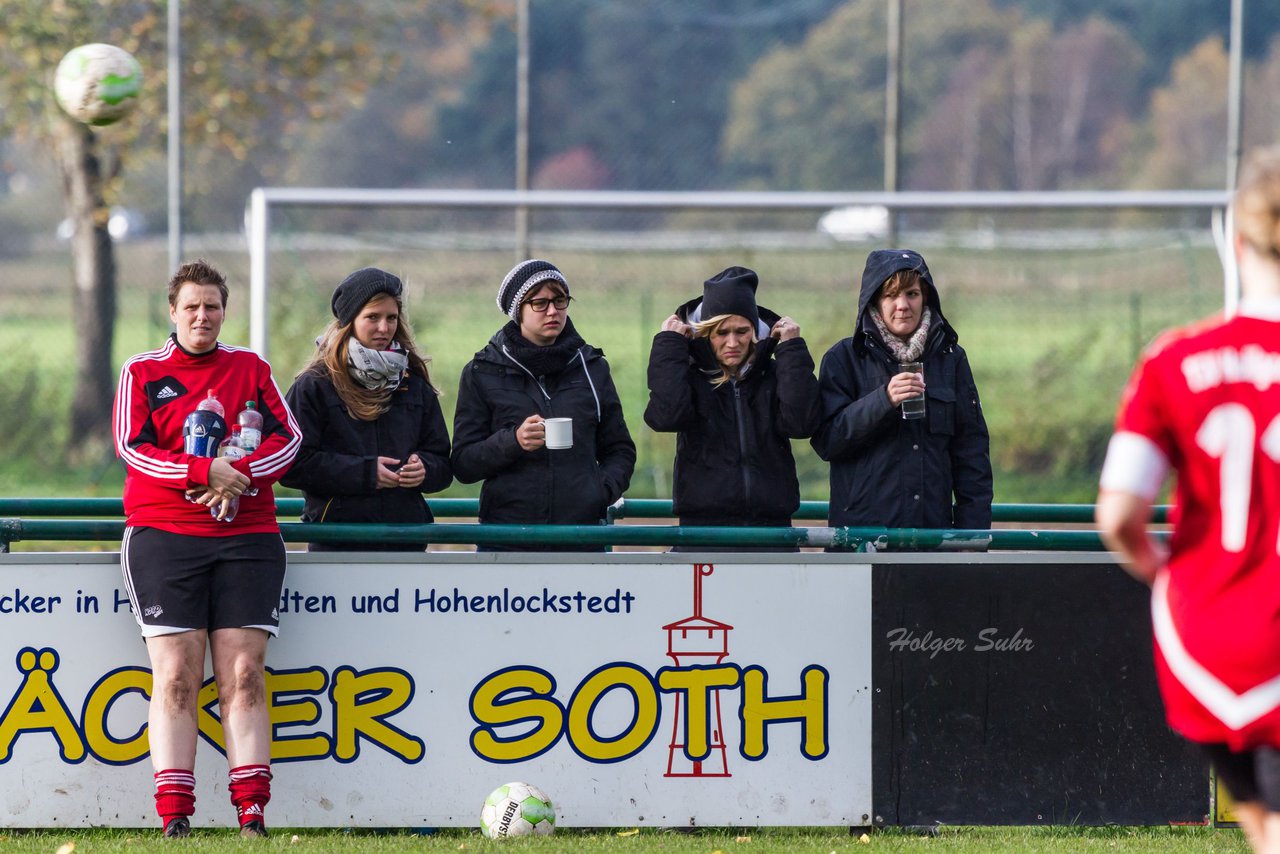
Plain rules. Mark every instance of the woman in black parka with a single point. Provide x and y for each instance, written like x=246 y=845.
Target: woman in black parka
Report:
x=887 y=471
x=536 y=367
x=373 y=435
x=735 y=382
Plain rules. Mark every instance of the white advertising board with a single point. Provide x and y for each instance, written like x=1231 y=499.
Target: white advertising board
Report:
x=633 y=689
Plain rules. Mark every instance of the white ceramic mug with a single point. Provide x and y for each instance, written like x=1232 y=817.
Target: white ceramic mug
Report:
x=559 y=433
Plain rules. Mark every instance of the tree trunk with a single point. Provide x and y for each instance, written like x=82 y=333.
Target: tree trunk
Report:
x=94 y=293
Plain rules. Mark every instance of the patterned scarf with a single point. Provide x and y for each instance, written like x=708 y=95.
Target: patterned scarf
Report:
x=378 y=370
x=911 y=349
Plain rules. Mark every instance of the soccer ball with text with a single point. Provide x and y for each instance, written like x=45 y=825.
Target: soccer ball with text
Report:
x=517 y=809
x=97 y=84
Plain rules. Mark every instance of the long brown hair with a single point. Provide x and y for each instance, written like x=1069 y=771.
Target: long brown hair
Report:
x=364 y=404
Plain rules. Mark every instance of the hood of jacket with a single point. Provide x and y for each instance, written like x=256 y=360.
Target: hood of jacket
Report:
x=883 y=263
x=700 y=348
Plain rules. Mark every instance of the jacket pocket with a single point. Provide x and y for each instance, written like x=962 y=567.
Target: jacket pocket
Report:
x=941 y=410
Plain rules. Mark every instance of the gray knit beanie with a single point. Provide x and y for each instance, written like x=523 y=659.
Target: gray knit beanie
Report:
x=522 y=279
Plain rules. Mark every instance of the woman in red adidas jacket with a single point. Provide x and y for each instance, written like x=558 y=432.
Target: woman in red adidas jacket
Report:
x=195 y=577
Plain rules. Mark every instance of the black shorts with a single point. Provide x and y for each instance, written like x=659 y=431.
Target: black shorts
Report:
x=178 y=583
x=1250 y=777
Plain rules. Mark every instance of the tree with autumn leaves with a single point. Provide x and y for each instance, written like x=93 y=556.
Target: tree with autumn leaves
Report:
x=254 y=72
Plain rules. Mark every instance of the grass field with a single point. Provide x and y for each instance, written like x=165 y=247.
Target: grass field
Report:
x=955 y=840
x=1051 y=336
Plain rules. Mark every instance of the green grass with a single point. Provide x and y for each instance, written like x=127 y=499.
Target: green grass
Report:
x=1051 y=336
x=955 y=840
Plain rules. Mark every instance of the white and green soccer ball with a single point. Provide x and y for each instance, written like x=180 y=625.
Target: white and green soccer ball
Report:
x=98 y=84
x=517 y=809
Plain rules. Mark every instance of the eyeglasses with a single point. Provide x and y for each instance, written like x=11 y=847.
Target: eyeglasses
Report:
x=541 y=304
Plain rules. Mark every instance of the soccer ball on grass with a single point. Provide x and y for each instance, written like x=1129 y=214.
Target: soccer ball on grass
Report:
x=97 y=84
x=517 y=809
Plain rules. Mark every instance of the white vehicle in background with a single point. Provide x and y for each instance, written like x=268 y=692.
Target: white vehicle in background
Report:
x=856 y=222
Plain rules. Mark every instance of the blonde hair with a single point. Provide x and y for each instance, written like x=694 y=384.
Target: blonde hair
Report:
x=364 y=404
x=1256 y=206
x=704 y=328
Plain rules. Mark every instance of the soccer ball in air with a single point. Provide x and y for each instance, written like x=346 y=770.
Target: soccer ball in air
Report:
x=517 y=809
x=97 y=84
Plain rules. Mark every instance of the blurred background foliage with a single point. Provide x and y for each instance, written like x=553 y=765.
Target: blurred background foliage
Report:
x=654 y=95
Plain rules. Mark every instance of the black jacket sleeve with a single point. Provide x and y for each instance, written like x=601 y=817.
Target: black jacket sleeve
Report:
x=799 y=401
x=850 y=416
x=478 y=453
x=970 y=455
x=433 y=445
x=615 y=450
x=317 y=469
x=670 y=408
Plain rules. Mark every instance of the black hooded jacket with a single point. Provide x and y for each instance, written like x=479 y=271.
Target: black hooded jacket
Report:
x=573 y=486
x=733 y=461
x=336 y=468
x=933 y=472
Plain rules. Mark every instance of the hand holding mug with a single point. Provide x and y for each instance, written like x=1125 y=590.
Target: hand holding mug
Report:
x=531 y=434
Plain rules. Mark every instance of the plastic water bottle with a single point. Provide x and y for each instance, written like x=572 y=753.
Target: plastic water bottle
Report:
x=211 y=404
x=250 y=421
x=233 y=449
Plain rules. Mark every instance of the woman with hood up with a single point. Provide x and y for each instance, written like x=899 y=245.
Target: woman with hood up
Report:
x=537 y=367
x=735 y=381
x=888 y=470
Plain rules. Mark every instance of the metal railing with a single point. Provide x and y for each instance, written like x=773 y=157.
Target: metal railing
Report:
x=592 y=536
x=14 y=527
x=625 y=508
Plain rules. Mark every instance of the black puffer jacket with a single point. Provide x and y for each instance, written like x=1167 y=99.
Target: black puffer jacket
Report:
x=733 y=461
x=573 y=486
x=336 y=469
x=933 y=472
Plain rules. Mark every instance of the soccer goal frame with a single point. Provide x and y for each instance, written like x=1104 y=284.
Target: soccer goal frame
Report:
x=264 y=199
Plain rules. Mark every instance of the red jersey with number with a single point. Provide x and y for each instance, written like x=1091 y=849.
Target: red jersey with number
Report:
x=1208 y=398
x=157 y=391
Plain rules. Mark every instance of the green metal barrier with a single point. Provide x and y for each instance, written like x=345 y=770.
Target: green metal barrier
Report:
x=14 y=530
x=628 y=508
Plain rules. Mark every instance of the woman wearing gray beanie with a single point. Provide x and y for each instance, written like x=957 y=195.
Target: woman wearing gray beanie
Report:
x=537 y=367
x=374 y=437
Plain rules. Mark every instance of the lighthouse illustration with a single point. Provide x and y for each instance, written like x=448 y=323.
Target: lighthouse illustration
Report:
x=698 y=640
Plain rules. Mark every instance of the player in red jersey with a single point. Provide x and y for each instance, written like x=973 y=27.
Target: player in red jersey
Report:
x=193 y=579
x=1204 y=403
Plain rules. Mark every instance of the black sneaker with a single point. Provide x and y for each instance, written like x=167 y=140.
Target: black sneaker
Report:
x=178 y=828
x=253 y=830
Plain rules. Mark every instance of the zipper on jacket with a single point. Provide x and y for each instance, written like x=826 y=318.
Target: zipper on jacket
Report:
x=742 y=442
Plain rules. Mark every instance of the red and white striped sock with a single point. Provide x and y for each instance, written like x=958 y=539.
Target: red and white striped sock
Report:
x=250 y=790
x=175 y=794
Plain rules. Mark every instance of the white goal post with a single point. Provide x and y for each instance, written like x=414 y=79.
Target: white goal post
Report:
x=263 y=199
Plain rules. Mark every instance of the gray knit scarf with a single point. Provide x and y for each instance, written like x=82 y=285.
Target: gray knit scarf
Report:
x=379 y=370
x=911 y=349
